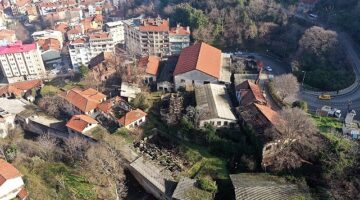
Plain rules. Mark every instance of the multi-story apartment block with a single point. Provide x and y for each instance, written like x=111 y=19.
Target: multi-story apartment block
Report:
x=82 y=50
x=116 y=31
x=153 y=36
x=179 y=38
x=147 y=36
x=19 y=62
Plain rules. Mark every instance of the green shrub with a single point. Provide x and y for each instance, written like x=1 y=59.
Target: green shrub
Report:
x=207 y=184
x=301 y=104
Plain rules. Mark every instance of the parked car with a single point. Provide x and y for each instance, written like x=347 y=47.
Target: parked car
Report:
x=268 y=68
x=325 y=97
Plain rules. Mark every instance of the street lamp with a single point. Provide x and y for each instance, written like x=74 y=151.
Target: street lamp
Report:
x=302 y=83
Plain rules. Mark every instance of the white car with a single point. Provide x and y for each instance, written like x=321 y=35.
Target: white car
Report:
x=268 y=68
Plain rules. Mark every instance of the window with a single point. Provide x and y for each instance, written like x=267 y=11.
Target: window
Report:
x=182 y=81
x=226 y=123
x=218 y=123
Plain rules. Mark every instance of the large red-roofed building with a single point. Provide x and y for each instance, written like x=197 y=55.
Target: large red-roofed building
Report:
x=20 y=62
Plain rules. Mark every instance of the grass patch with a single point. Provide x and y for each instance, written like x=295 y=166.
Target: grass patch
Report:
x=124 y=133
x=52 y=180
x=49 y=90
x=205 y=164
x=197 y=194
x=326 y=124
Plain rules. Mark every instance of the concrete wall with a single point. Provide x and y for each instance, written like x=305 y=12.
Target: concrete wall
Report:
x=215 y=121
x=195 y=76
x=11 y=188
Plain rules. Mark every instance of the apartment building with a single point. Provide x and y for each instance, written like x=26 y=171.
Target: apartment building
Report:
x=179 y=38
x=148 y=36
x=153 y=36
x=116 y=31
x=20 y=62
x=82 y=50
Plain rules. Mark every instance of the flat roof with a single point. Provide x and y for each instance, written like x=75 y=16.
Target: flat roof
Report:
x=13 y=106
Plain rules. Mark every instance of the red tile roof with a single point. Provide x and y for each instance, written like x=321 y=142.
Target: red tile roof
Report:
x=75 y=30
x=150 y=64
x=156 y=25
x=86 y=100
x=62 y=27
x=49 y=43
x=80 y=122
x=19 y=87
x=7 y=171
x=200 y=56
x=17 y=47
x=107 y=105
x=250 y=93
x=22 y=194
x=180 y=30
x=271 y=115
x=131 y=117
x=99 y=35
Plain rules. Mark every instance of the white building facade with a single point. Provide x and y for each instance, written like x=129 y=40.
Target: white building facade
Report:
x=116 y=31
x=84 y=49
x=20 y=62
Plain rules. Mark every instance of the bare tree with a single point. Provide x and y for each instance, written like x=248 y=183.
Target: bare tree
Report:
x=286 y=86
x=75 y=149
x=294 y=141
x=105 y=163
x=52 y=105
x=48 y=146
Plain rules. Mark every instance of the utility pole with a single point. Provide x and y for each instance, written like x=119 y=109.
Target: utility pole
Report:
x=302 y=83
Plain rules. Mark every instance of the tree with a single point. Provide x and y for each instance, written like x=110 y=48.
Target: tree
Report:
x=75 y=149
x=294 y=141
x=48 y=146
x=141 y=101
x=52 y=105
x=83 y=70
x=286 y=86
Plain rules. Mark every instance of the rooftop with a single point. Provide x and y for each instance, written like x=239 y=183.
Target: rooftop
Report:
x=19 y=87
x=202 y=57
x=166 y=74
x=250 y=93
x=13 y=106
x=17 y=47
x=151 y=64
x=80 y=122
x=262 y=186
x=7 y=171
x=180 y=30
x=84 y=100
x=131 y=117
x=214 y=100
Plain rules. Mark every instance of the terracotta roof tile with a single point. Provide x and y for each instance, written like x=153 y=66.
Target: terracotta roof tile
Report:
x=250 y=93
x=86 y=100
x=157 y=25
x=49 y=43
x=269 y=113
x=62 y=27
x=202 y=57
x=131 y=117
x=99 y=35
x=107 y=105
x=22 y=194
x=80 y=122
x=7 y=171
x=19 y=87
x=180 y=30
x=150 y=64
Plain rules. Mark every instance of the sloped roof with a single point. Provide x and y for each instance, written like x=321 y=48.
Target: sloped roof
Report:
x=250 y=93
x=49 y=43
x=214 y=101
x=262 y=186
x=107 y=105
x=151 y=64
x=131 y=117
x=86 y=100
x=22 y=194
x=19 y=87
x=180 y=30
x=80 y=122
x=269 y=113
x=7 y=171
x=202 y=57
